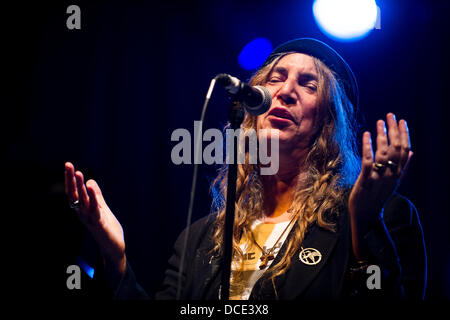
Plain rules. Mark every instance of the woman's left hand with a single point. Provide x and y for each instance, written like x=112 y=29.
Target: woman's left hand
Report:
x=379 y=177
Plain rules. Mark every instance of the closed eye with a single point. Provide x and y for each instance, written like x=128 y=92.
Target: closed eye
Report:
x=308 y=80
x=274 y=80
x=312 y=87
x=310 y=84
x=277 y=75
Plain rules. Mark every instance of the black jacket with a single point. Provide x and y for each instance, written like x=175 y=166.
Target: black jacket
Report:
x=395 y=243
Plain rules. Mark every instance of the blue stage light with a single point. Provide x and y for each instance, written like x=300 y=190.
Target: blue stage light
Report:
x=346 y=20
x=86 y=268
x=255 y=53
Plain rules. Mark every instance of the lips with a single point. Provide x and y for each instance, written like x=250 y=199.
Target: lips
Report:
x=281 y=113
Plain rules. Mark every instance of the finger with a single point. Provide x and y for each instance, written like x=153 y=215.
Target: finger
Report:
x=81 y=188
x=367 y=155
x=405 y=168
x=70 y=182
x=405 y=143
x=381 y=154
x=98 y=192
x=66 y=188
x=95 y=197
x=394 y=138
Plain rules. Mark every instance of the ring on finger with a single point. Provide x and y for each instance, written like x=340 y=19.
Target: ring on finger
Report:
x=392 y=165
x=378 y=166
x=75 y=204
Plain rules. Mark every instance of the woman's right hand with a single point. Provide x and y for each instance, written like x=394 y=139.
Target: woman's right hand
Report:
x=98 y=219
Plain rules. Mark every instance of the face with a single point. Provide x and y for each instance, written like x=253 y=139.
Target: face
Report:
x=293 y=85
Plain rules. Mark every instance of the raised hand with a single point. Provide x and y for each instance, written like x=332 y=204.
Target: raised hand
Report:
x=88 y=201
x=380 y=175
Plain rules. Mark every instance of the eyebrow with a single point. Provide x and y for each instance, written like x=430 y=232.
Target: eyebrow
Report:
x=303 y=75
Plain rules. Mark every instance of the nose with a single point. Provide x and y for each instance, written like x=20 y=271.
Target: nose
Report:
x=287 y=92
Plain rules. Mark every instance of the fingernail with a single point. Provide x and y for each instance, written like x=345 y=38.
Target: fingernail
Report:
x=406 y=125
x=393 y=116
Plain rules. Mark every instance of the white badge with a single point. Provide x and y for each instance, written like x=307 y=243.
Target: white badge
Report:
x=310 y=256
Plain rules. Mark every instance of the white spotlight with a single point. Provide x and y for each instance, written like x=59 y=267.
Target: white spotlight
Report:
x=346 y=20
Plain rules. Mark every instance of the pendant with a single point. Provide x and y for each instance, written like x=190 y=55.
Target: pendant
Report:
x=265 y=258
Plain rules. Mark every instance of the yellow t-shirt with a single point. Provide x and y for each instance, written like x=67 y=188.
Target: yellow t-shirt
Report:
x=244 y=277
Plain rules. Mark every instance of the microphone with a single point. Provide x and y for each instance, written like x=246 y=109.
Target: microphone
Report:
x=256 y=99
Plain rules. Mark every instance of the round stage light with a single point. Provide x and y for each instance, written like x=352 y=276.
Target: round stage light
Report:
x=345 y=20
x=254 y=53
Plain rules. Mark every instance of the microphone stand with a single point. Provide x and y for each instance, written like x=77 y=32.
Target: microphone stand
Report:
x=235 y=116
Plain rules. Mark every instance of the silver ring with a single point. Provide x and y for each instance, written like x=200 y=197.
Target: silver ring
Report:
x=392 y=165
x=75 y=204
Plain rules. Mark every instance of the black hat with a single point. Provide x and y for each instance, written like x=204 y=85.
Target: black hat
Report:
x=328 y=56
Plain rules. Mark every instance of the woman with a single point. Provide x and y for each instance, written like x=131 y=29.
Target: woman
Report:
x=309 y=231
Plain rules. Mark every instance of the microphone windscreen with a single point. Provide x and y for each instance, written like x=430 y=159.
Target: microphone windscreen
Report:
x=263 y=105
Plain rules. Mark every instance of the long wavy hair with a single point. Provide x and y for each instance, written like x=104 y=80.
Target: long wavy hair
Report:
x=332 y=167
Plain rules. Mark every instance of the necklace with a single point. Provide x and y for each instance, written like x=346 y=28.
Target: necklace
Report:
x=268 y=255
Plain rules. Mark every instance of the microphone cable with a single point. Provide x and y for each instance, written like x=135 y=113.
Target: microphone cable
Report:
x=197 y=149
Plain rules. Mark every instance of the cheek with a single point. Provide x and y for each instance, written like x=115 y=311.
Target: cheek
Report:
x=310 y=106
x=272 y=90
x=309 y=115
x=314 y=119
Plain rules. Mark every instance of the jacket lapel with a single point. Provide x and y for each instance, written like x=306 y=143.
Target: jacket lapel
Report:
x=208 y=271
x=293 y=282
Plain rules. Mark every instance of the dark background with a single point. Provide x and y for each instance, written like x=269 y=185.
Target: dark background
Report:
x=107 y=98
